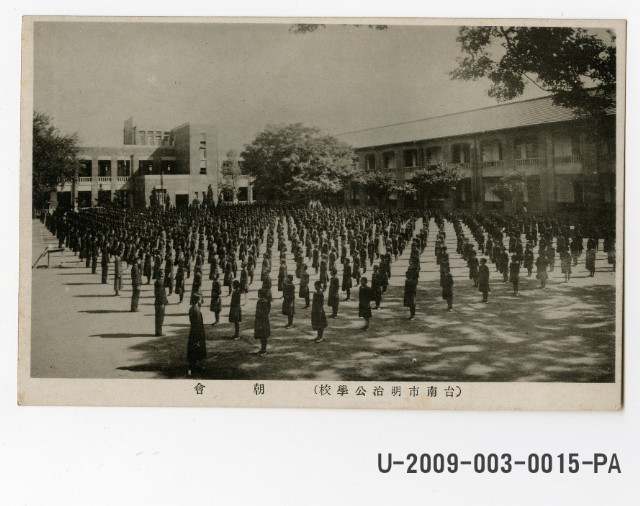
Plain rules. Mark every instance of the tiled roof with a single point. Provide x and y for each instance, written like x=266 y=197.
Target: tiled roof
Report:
x=512 y=115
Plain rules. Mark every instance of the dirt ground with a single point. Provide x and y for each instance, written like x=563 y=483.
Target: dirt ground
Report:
x=564 y=333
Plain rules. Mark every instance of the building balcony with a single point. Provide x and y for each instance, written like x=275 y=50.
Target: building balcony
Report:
x=607 y=157
x=567 y=159
x=84 y=180
x=523 y=162
x=492 y=163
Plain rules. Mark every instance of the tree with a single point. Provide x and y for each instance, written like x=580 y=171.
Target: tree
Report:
x=230 y=174
x=302 y=29
x=377 y=183
x=510 y=188
x=55 y=159
x=435 y=180
x=298 y=162
x=577 y=66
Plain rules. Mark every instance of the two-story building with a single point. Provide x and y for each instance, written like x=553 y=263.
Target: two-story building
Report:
x=566 y=166
x=181 y=162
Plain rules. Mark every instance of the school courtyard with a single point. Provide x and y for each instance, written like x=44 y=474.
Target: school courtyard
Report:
x=564 y=333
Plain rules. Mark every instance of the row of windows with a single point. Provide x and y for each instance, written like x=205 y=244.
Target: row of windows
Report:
x=153 y=138
x=525 y=148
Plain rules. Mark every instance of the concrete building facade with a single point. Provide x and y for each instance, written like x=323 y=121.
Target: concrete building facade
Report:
x=181 y=162
x=566 y=167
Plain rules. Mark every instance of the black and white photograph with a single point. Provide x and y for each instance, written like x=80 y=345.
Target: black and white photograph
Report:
x=402 y=214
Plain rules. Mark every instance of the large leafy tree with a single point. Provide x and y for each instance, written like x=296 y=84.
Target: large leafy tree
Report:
x=577 y=66
x=378 y=184
x=295 y=162
x=55 y=159
x=435 y=180
x=510 y=188
x=231 y=174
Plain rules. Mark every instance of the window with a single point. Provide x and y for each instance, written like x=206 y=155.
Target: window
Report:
x=203 y=166
x=410 y=158
x=526 y=148
x=489 y=183
x=142 y=137
x=568 y=188
x=150 y=137
x=389 y=160
x=124 y=168
x=567 y=146
x=158 y=138
x=145 y=166
x=460 y=153
x=370 y=162
x=85 y=168
x=165 y=139
x=491 y=151
x=104 y=168
x=433 y=154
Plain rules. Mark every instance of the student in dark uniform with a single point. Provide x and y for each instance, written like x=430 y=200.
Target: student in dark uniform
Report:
x=303 y=292
x=289 y=298
x=282 y=275
x=216 y=298
x=410 y=286
x=117 y=273
x=528 y=260
x=376 y=286
x=262 y=326
x=105 y=264
x=179 y=288
x=196 y=346
x=483 y=280
x=565 y=265
x=447 y=289
x=514 y=273
x=160 y=303
x=590 y=262
x=235 y=311
x=136 y=282
x=346 y=278
x=364 y=302
x=318 y=316
x=334 y=293
x=473 y=267
x=541 y=273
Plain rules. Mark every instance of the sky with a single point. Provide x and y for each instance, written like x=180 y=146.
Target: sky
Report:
x=91 y=76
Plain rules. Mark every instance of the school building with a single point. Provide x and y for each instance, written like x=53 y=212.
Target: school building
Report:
x=566 y=169
x=181 y=162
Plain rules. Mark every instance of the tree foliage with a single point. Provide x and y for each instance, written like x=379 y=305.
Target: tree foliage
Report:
x=231 y=174
x=435 y=180
x=294 y=162
x=377 y=183
x=511 y=188
x=576 y=65
x=302 y=29
x=55 y=159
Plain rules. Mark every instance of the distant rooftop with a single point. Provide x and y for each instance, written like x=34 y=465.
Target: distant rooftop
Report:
x=535 y=111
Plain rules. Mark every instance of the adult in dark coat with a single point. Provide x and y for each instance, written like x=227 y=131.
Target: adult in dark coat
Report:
x=262 y=327
x=447 y=289
x=334 y=293
x=318 y=316
x=235 y=311
x=289 y=300
x=105 y=264
x=483 y=280
x=196 y=346
x=410 y=286
x=364 y=302
x=160 y=303
x=136 y=282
